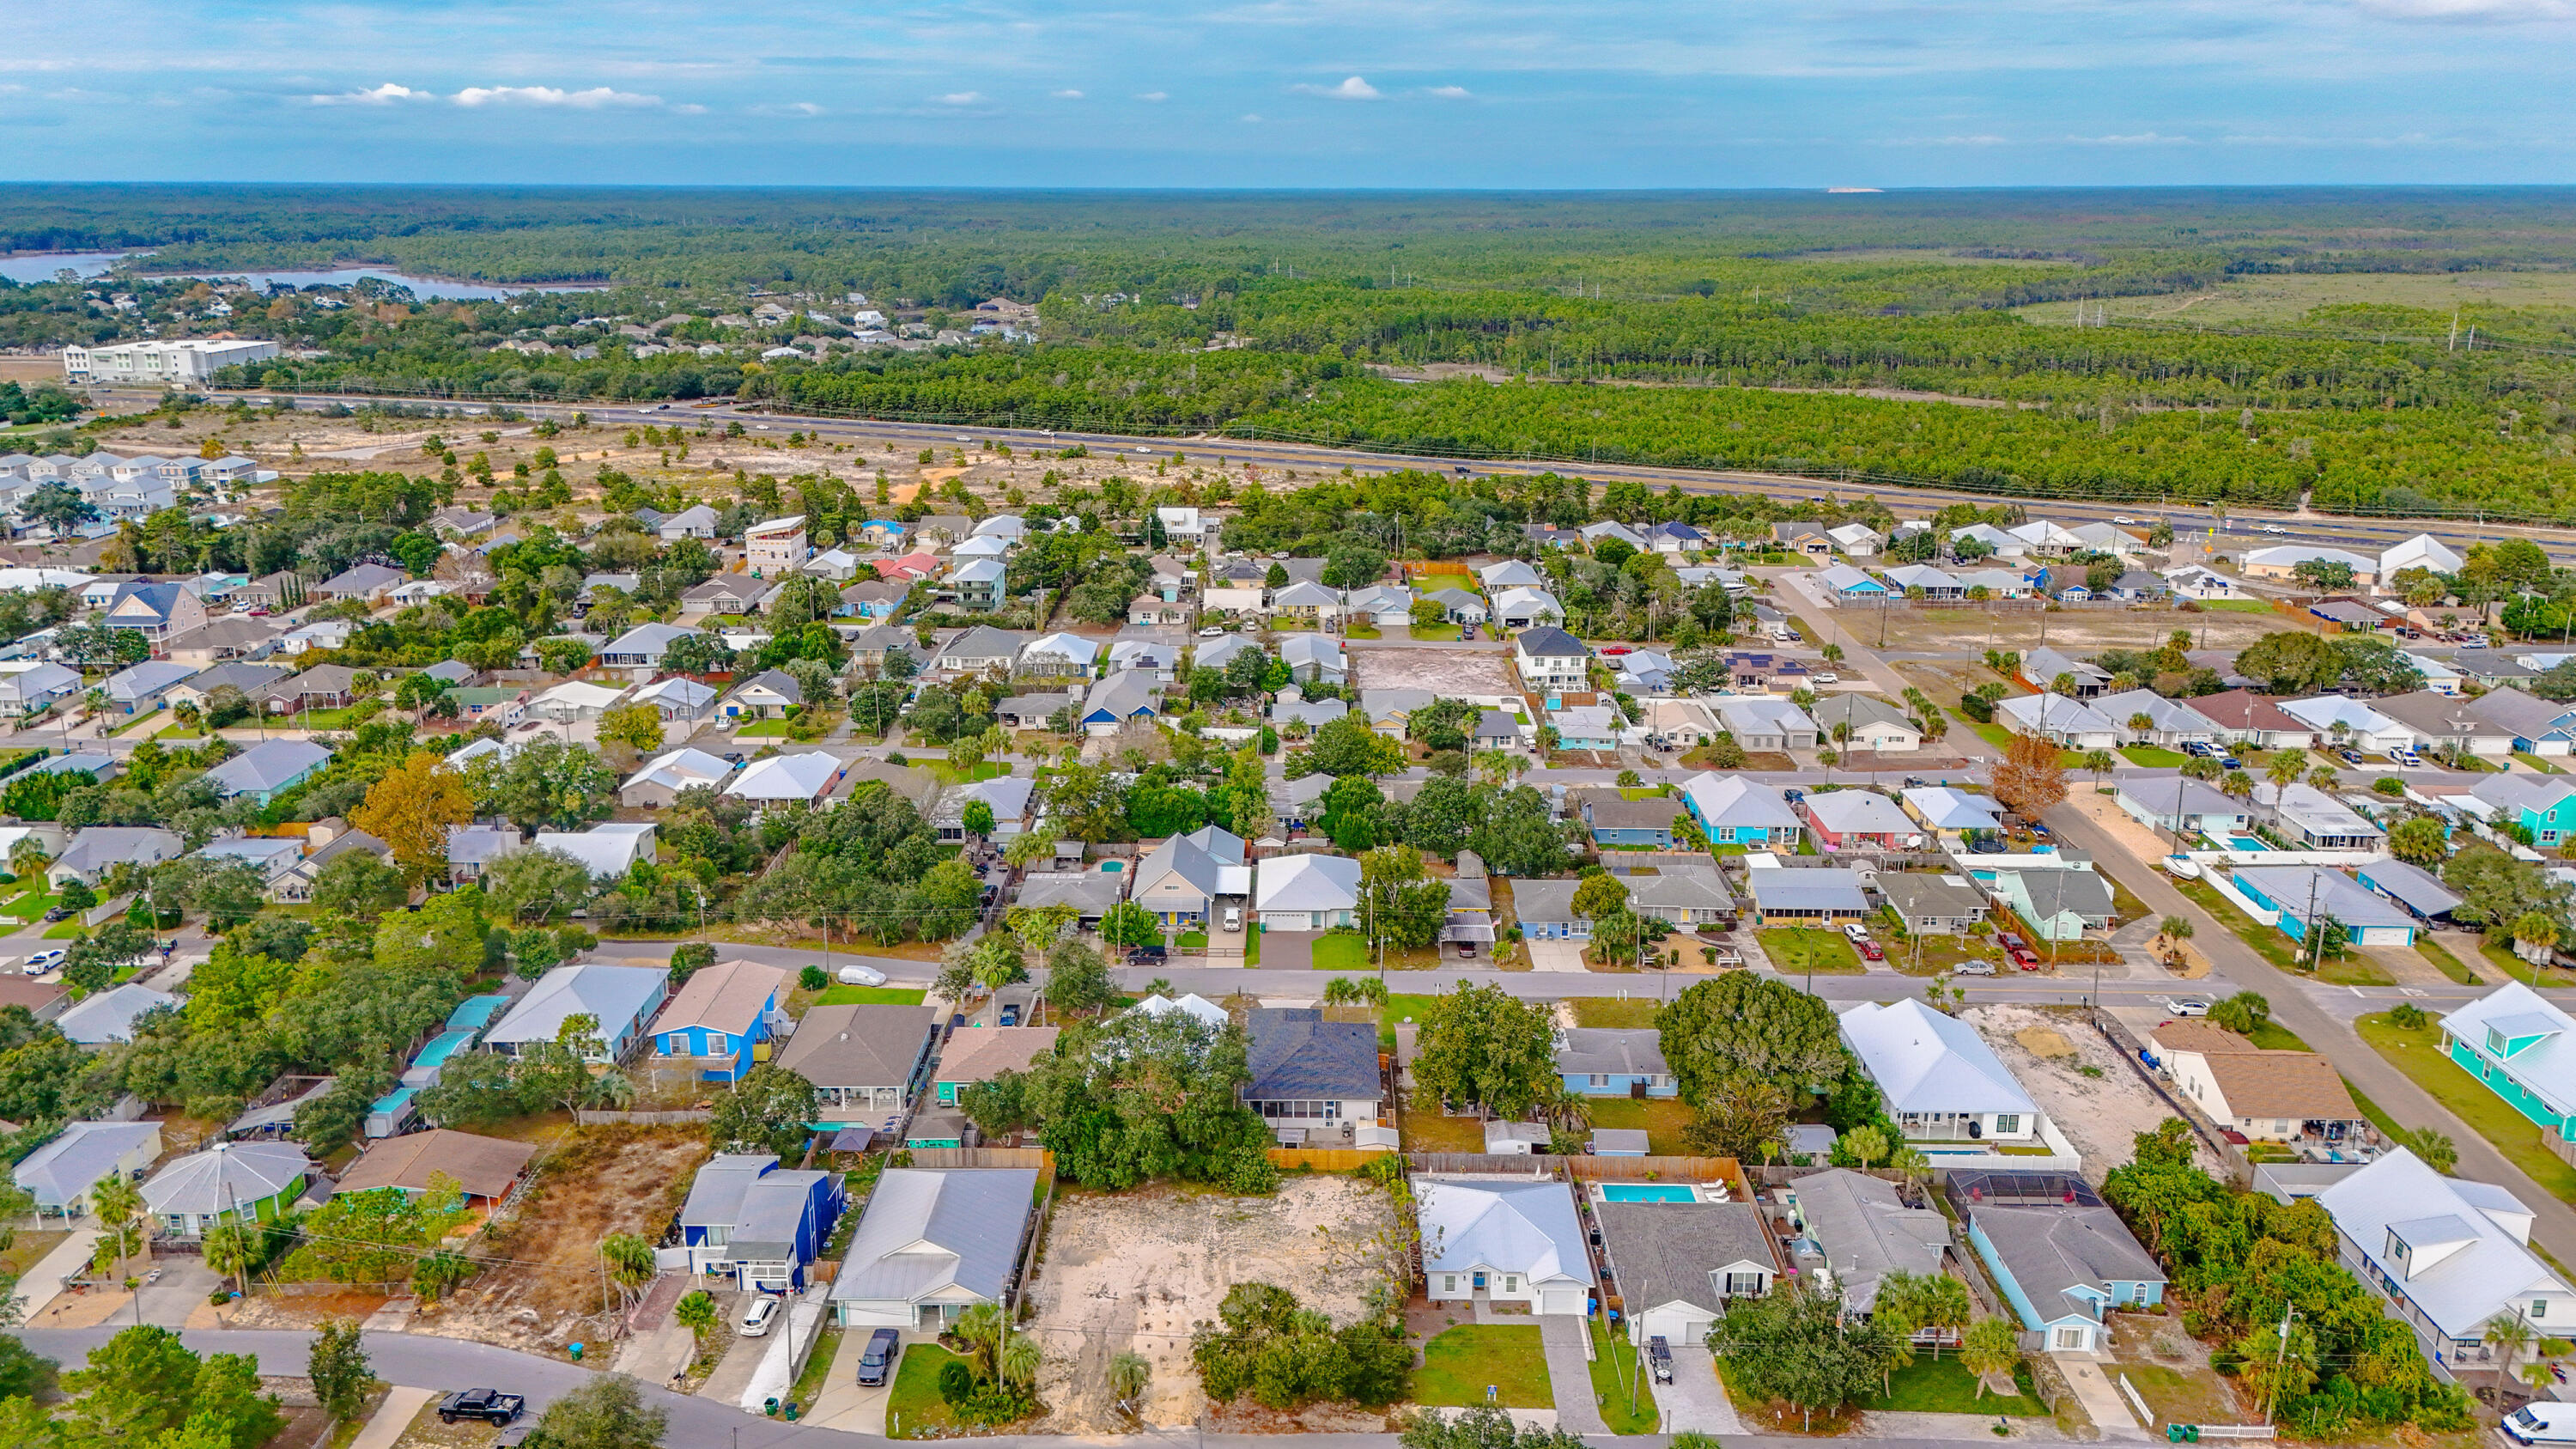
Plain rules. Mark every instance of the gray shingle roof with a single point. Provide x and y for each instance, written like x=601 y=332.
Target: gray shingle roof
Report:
x=1867 y=1232
x=1618 y=1051
x=1664 y=1252
x=1297 y=1054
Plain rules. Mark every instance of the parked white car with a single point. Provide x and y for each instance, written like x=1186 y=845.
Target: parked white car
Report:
x=2187 y=1006
x=44 y=961
x=860 y=976
x=1855 y=930
x=757 y=1318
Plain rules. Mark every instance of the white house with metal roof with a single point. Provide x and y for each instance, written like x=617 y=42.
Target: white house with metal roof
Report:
x=620 y=999
x=2070 y=723
x=782 y=779
x=1306 y=892
x=933 y=1243
x=2451 y=1257
x=62 y=1174
x=1941 y=1082
x=1506 y=1240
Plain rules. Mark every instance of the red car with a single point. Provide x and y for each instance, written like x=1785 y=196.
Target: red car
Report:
x=1869 y=950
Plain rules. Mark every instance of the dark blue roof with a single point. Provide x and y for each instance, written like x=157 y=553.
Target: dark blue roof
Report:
x=1298 y=1054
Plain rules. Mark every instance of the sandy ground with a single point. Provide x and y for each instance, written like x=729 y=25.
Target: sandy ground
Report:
x=2077 y=632
x=1456 y=673
x=1139 y=1270
x=2100 y=1115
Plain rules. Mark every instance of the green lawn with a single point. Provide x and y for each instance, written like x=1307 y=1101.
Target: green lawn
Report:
x=2419 y=1055
x=1795 y=950
x=2446 y=963
x=1663 y=1118
x=950 y=775
x=1458 y=1366
x=2282 y=952
x=1252 y=945
x=915 y=1410
x=1942 y=1386
x=2237 y=606
x=2537 y=763
x=768 y=729
x=1341 y=953
x=70 y=930
x=2273 y=1037
x=1437 y=633
x=818 y=1369
x=1617 y=1376
x=1615 y=1011
x=1193 y=940
x=2154 y=757
x=1397 y=1009
x=869 y=996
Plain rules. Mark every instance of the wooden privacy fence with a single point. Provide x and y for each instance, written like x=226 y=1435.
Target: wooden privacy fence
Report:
x=1588 y=1169
x=1037 y=1157
x=589 y=1118
x=1325 y=1159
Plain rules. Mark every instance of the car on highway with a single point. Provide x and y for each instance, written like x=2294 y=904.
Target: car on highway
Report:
x=2272 y=528
x=489 y=1405
x=2122 y=518
x=876 y=1361
x=756 y=1319
x=860 y=976
x=2187 y=1006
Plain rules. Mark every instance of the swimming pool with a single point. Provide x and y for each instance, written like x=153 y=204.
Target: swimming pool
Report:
x=1648 y=1192
x=1113 y=866
x=2245 y=842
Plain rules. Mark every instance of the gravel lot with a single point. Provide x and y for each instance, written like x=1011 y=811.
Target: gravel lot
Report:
x=2099 y=1114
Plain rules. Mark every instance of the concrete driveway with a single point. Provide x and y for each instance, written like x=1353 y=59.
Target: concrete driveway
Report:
x=1288 y=950
x=1695 y=1399
x=1556 y=956
x=843 y=1404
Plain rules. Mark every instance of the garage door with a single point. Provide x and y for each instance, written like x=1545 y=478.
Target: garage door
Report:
x=1561 y=1300
x=1287 y=921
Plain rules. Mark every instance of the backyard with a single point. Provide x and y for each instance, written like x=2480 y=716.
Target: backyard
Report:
x=1663 y=1118
x=1461 y=1363
x=1936 y=1385
x=2418 y=1053
x=2278 y=950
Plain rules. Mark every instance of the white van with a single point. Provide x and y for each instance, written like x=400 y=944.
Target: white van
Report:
x=2542 y=1421
x=1234 y=918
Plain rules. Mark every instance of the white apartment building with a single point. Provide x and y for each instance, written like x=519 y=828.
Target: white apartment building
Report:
x=160 y=364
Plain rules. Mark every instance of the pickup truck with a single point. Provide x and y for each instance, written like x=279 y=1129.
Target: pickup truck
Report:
x=490 y=1405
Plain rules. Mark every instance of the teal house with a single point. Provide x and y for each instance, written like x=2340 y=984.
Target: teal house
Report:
x=2518 y=1045
x=2539 y=804
x=268 y=769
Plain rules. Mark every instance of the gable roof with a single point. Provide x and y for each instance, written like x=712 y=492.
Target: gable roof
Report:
x=786 y=777
x=2051 y=1251
x=483 y=1166
x=2488 y=1265
x=858 y=1045
x=979 y=1054
x=1673 y=1252
x=727 y=996
x=929 y=1229
x=615 y=995
x=1865 y=811
x=1616 y=1051
x=1546 y=641
x=268 y=765
x=1306 y=883
x=110 y=1015
x=1738 y=801
x=1924 y=1061
x=1867 y=1232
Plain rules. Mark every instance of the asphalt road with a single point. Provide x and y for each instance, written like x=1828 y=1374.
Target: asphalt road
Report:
x=2241 y=525
x=422 y=1361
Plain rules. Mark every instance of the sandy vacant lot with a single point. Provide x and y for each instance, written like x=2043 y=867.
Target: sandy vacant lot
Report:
x=1456 y=673
x=2079 y=632
x=2100 y=1115
x=1139 y=1270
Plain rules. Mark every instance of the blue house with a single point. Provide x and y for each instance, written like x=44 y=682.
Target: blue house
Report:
x=883 y=532
x=1605 y=1062
x=267 y=770
x=721 y=1020
x=2540 y=804
x=1618 y=820
x=2304 y=893
x=2518 y=1045
x=1546 y=910
x=749 y=1220
x=1846 y=582
x=2062 y=1258
x=1736 y=811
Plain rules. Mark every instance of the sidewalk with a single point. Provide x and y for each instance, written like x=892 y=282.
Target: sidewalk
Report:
x=44 y=1282
x=392 y=1417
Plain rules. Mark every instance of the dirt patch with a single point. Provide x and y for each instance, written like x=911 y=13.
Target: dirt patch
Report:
x=1137 y=1271
x=2089 y=1092
x=1456 y=673
x=2076 y=632
x=2045 y=1041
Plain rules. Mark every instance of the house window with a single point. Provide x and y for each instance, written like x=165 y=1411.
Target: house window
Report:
x=2069 y=1338
x=715 y=1043
x=2007 y=1123
x=1743 y=1285
x=1600 y=1079
x=2539 y=1307
x=1511 y=1283
x=2495 y=1041
x=1448 y=1282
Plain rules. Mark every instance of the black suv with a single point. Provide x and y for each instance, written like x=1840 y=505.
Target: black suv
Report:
x=878 y=1361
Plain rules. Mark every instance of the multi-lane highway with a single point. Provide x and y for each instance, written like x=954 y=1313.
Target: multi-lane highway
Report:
x=2242 y=526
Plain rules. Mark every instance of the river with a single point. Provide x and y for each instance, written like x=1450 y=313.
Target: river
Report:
x=41 y=267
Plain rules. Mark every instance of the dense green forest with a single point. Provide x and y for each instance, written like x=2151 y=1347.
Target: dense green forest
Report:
x=1755 y=330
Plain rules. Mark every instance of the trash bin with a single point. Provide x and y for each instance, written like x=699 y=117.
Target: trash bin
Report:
x=791 y=1411
x=576 y=1352
x=769 y=1407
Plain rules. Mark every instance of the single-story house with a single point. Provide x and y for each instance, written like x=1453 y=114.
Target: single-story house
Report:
x=1938 y=1078
x=1678 y=1263
x=1304 y=892
x=933 y=1243
x=1734 y=810
x=1863 y=1231
x=1614 y=819
x=487 y=1169
x=784 y=779
x=621 y=999
x=1931 y=903
x=1613 y=1062
x=267 y=770
x=93 y=849
x=866 y=1061
x=2305 y=893
x=1860 y=820
x=1505 y=1240
x=2270 y=1096
x=61 y=1175
x=2057 y=905
x=1788 y=896
x=1546 y=909
x=227 y=1182
x=981 y=1053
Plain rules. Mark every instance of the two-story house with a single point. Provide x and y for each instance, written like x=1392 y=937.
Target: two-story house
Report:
x=1312 y=1080
x=719 y=1023
x=1550 y=660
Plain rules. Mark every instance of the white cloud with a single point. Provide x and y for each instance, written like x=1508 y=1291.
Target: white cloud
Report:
x=2470 y=12
x=1950 y=141
x=962 y=98
x=2143 y=138
x=1252 y=118
x=596 y=98
x=1451 y=93
x=1066 y=95
x=1353 y=89
x=383 y=95
x=1155 y=96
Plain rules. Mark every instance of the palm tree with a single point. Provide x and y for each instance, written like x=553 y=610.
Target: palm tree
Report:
x=117 y=1202
x=2509 y=1332
x=2100 y=762
x=1991 y=1348
x=2141 y=725
x=2285 y=769
x=696 y=1312
x=27 y=856
x=1020 y=1358
x=979 y=1331
x=1129 y=1374
x=2323 y=780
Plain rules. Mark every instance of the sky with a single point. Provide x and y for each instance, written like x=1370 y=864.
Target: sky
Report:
x=1295 y=93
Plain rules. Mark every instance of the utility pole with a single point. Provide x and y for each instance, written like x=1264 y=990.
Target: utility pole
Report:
x=2272 y=1400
